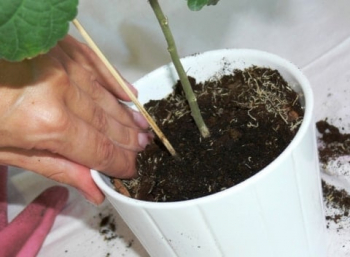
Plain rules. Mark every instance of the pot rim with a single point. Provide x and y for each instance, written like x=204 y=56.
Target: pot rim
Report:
x=308 y=118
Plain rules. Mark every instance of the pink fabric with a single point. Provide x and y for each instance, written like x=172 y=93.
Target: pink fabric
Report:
x=25 y=235
x=3 y=197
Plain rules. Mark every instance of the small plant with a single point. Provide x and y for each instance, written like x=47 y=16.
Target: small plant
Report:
x=190 y=96
x=194 y=5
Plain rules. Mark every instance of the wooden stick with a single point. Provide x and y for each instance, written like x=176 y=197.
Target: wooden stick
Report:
x=121 y=82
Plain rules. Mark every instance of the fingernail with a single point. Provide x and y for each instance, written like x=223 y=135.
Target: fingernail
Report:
x=140 y=120
x=144 y=139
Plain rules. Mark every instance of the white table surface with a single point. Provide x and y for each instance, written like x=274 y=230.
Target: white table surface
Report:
x=313 y=34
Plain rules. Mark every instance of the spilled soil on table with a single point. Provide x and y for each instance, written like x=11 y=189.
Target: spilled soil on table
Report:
x=332 y=145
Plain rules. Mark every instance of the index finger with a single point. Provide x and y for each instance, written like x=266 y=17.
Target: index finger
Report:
x=91 y=62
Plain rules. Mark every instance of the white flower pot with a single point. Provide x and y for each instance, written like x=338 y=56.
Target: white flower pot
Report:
x=276 y=213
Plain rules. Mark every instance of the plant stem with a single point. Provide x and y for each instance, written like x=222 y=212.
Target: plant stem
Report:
x=186 y=85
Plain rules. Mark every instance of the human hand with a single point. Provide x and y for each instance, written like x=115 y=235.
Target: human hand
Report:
x=60 y=116
x=25 y=234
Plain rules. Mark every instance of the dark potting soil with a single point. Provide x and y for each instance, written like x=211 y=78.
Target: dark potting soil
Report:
x=252 y=116
x=108 y=227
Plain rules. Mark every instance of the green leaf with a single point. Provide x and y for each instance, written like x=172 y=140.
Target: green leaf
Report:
x=196 y=5
x=32 y=27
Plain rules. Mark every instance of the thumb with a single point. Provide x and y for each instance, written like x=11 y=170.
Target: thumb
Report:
x=57 y=168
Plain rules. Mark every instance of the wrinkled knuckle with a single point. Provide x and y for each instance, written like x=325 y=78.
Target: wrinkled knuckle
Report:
x=100 y=120
x=105 y=153
x=126 y=139
x=50 y=129
x=48 y=120
x=56 y=120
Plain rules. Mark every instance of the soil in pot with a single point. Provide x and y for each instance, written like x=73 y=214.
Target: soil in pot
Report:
x=252 y=115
